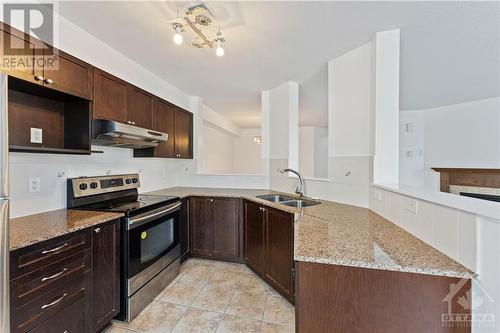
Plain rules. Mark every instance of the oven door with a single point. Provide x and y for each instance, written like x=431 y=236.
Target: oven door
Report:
x=153 y=237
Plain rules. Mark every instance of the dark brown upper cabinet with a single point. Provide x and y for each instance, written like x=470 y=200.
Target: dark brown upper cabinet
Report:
x=178 y=124
x=214 y=228
x=69 y=74
x=20 y=53
x=110 y=97
x=183 y=134
x=139 y=107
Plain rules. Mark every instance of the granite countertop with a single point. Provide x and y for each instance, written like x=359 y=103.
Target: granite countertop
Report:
x=339 y=234
x=31 y=229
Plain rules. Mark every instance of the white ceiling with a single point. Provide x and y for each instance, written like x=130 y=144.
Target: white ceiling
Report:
x=450 y=51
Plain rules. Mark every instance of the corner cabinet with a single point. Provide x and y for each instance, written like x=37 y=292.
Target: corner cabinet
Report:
x=268 y=246
x=178 y=124
x=215 y=228
x=67 y=284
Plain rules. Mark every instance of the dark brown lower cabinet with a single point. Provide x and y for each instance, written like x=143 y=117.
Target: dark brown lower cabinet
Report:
x=215 y=228
x=105 y=274
x=67 y=284
x=269 y=246
x=184 y=229
x=333 y=298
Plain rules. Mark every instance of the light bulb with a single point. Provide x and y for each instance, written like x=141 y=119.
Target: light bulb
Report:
x=219 y=51
x=177 y=36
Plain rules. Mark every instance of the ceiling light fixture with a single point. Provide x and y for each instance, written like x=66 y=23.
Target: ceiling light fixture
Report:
x=201 y=23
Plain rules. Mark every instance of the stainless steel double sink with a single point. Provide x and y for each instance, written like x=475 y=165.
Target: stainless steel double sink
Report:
x=288 y=201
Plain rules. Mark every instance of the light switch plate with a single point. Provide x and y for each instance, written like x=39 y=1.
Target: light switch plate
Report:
x=35 y=184
x=36 y=135
x=377 y=195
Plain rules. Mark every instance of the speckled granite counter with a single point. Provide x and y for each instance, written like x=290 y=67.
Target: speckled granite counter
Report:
x=36 y=228
x=334 y=233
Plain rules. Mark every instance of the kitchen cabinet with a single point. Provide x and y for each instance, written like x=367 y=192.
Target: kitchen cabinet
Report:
x=69 y=283
x=184 y=229
x=178 y=124
x=254 y=237
x=268 y=246
x=214 y=228
x=110 y=97
x=19 y=53
x=105 y=274
x=139 y=107
x=183 y=134
x=69 y=74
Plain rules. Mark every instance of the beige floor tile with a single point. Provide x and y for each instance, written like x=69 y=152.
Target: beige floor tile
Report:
x=276 y=328
x=198 y=321
x=223 y=277
x=252 y=284
x=117 y=329
x=181 y=293
x=279 y=311
x=160 y=317
x=197 y=274
x=233 y=324
x=214 y=298
x=247 y=305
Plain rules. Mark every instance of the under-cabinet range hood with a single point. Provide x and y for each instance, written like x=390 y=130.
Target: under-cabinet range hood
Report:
x=115 y=134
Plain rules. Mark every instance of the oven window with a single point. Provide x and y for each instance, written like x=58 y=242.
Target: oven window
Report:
x=151 y=241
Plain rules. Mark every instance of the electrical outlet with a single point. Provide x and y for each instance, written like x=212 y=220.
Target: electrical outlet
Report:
x=36 y=135
x=377 y=195
x=412 y=205
x=35 y=184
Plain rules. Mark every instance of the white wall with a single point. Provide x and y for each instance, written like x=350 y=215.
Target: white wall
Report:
x=313 y=151
x=215 y=155
x=247 y=154
x=465 y=135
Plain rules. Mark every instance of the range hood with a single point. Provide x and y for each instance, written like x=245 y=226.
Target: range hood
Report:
x=114 y=134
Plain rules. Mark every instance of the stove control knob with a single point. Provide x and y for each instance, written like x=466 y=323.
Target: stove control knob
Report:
x=135 y=180
x=83 y=186
x=93 y=185
x=128 y=181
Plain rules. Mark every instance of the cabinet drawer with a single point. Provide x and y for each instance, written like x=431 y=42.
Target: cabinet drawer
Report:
x=70 y=320
x=52 y=303
x=43 y=280
x=39 y=255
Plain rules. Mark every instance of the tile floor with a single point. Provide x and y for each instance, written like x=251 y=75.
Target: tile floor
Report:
x=213 y=296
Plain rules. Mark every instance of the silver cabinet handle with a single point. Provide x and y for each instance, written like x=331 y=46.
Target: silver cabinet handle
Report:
x=38 y=78
x=55 y=249
x=211 y=200
x=97 y=230
x=129 y=122
x=54 y=276
x=55 y=302
x=48 y=81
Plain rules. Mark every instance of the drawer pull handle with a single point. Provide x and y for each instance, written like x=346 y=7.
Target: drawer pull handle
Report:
x=54 y=276
x=55 y=302
x=55 y=249
x=97 y=230
x=39 y=78
x=48 y=81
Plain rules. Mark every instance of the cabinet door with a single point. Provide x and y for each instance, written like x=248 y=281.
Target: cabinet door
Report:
x=278 y=260
x=201 y=226
x=183 y=134
x=69 y=75
x=226 y=229
x=105 y=274
x=163 y=121
x=254 y=237
x=20 y=54
x=184 y=237
x=110 y=97
x=139 y=107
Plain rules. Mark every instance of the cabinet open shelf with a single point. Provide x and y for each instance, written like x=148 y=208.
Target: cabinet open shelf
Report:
x=64 y=119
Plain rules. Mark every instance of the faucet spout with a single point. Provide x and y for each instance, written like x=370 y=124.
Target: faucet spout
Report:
x=300 y=189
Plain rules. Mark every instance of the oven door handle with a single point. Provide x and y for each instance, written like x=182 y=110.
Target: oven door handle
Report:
x=134 y=222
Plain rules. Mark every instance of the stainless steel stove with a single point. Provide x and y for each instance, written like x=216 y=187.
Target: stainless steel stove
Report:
x=150 y=248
